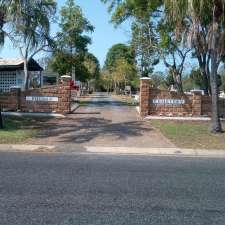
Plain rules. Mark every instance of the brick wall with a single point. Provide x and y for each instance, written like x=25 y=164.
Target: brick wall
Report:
x=168 y=108
x=17 y=100
x=206 y=106
x=166 y=103
x=10 y=100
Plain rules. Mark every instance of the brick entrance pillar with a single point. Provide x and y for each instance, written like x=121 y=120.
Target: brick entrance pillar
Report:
x=197 y=103
x=144 y=96
x=65 y=98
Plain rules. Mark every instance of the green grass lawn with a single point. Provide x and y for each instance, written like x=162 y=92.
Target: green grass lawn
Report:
x=18 y=130
x=191 y=134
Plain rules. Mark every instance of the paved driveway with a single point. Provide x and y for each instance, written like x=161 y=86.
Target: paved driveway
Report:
x=104 y=121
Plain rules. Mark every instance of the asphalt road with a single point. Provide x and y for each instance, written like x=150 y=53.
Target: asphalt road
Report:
x=76 y=189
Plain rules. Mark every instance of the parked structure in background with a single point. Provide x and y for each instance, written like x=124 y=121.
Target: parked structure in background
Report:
x=12 y=74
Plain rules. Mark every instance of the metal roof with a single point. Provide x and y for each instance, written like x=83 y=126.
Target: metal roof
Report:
x=17 y=64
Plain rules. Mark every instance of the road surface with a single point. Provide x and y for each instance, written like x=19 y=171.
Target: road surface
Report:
x=76 y=189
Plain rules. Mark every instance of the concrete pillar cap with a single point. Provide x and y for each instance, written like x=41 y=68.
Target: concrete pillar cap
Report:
x=65 y=76
x=197 y=91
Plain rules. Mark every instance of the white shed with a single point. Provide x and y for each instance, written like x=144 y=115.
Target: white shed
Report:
x=12 y=73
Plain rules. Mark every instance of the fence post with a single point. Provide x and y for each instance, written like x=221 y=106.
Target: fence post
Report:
x=144 y=96
x=197 y=103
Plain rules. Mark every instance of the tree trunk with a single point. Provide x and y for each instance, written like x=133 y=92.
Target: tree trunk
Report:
x=26 y=75
x=115 y=87
x=1 y=120
x=206 y=82
x=178 y=82
x=216 y=123
x=203 y=65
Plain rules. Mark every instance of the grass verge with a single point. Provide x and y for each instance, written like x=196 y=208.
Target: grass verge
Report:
x=18 y=130
x=191 y=134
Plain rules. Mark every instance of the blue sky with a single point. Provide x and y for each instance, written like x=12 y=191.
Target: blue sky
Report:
x=104 y=36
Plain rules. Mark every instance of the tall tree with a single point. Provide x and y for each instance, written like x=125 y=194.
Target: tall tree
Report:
x=140 y=12
x=207 y=21
x=120 y=63
x=123 y=73
x=92 y=65
x=72 y=39
x=143 y=38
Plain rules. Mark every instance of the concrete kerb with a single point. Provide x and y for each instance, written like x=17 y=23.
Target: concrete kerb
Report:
x=31 y=114
x=179 y=118
x=26 y=148
x=178 y=152
x=128 y=151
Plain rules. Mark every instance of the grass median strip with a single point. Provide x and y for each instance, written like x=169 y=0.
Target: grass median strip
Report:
x=186 y=134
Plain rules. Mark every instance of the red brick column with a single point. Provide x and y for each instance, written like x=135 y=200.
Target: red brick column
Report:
x=64 y=105
x=197 y=103
x=144 y=96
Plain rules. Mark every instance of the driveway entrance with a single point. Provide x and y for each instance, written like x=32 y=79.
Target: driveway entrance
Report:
x=102 y=121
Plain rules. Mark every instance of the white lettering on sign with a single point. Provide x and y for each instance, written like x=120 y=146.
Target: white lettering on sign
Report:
x=41 y=99
x=168 y=101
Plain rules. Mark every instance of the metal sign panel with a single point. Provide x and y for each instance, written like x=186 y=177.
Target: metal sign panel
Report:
x=41 y=99
x=168 y=101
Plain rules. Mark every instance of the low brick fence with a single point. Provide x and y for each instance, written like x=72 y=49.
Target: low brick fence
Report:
x=49 y=99
x=166 y=103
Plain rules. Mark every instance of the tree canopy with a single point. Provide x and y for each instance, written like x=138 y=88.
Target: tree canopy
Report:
x=118 y=51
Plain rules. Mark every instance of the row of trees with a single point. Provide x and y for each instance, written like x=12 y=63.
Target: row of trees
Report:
x=169 y=30
x=119 y=69
x=190 y=81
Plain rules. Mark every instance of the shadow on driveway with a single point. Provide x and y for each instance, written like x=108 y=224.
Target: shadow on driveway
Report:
x=84 y=130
